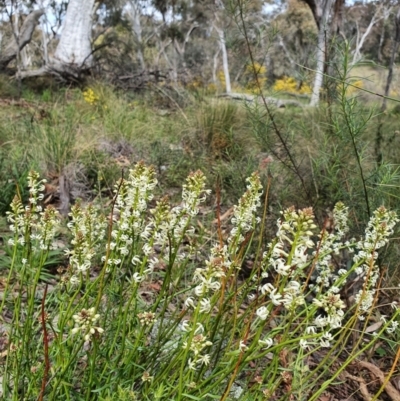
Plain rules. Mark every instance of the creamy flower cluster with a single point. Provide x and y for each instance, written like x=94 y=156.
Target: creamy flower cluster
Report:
x=288 y=253
x=163 y=232
x=244 y=218
x=133 y=196
x=87 y=226
x=208 y=281
x=31 y=223
x=331 y=242
x=46 y=228
x=379 y=229
x=198 y=342
x=85 y=322
x=36 y=188
x=288 y=256
x=17 y=219
x=147 y=318
x=194 y=192
x=208 y=278
x=333 y=307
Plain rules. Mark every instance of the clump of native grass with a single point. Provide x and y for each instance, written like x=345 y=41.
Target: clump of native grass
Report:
x=147 y=308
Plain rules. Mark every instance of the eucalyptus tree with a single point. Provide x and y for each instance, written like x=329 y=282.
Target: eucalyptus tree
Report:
x=321 y=10
x=134 y=12
x=293 y=40
x=381 y=10
x=73 y=53
x=395 y=50
x=384 y=24
x=74 y=48
x=179 y=20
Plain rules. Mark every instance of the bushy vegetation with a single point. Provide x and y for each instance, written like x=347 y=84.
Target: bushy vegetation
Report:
x=289 y=84
x=264 y=277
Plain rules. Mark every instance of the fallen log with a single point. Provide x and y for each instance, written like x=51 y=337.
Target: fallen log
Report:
x=258 y=99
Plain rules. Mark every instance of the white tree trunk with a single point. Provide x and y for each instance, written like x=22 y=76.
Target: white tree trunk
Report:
x=381 y=41
x=286 y=51
x=215 y=66
x=360 y=43
x=322 y=33
x=175 y=63
x=319 y=70
x=395 y=49
x=386 y=14
x=24 y=59
x=74 y=48
x=134 y=15
x=43 y=27
x=225 y=63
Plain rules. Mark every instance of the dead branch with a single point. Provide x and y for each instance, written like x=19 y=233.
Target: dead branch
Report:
x=363 y=386
x=12 y=49
x=65 y=72
x=391 y=391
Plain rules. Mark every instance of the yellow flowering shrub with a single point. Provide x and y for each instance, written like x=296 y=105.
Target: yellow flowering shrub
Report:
x=195 y=83
x=211 y=88
x=305 y=89
x=289 y=84
x=97 y=98
x=222 y=82
x=221 y=78
x=285 y=84
x=90 y=96
x=355 y=86
x=251 y=70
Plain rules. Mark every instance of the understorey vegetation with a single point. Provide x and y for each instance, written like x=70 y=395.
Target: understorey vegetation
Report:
x=150 y=302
